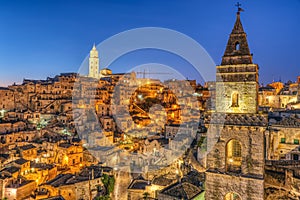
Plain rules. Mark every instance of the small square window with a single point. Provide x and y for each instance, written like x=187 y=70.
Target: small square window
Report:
x=296 y=141
x=282 y=140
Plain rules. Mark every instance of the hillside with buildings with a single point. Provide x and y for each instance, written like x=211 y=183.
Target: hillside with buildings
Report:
x=109 y=135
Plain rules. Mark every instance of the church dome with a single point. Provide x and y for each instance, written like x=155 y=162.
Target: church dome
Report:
x=105 y=71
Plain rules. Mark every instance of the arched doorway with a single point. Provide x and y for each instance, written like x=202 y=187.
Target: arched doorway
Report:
x=234 y=156
x=232 y=196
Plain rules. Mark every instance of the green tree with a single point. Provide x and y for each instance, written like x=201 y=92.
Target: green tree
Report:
x=106 y=197
x=108 y=182
x=111 y=184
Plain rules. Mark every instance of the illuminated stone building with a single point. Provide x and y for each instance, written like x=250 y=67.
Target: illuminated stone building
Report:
x=28 y=152
x=278 y=96
x=83 y=185
x=18 y=189
x=255 y=156
x=23 y=165
x=37 y=128
x=264 y=96
x=13 y=137
x=38 y=95
x=237 y=76
x=282 y=168
x=283 y=140
x=7 y=99
x=235 y=165
x=278 y=86
x=8 y=127
x=16 y=168
x=69 y=154
x=40 y=172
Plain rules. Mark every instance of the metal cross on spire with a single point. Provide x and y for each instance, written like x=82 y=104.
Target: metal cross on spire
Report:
x=238 y=5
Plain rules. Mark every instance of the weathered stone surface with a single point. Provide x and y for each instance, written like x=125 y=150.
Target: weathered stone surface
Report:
x=236 y=119
x=236 y=126
x=218 y=185
x=252 y=144
x=247 y=97
x=237 y=49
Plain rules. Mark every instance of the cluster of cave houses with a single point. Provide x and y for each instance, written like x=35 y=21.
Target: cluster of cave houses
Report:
x=42 y=156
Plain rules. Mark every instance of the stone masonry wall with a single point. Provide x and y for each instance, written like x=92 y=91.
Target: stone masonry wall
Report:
x=218 y=185
x=247 y=97
x=241 y=79
x=252 y=142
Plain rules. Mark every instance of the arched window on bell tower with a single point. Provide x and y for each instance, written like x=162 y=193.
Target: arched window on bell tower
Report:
x=234 y=156
x=235 y=99
x=237 y=46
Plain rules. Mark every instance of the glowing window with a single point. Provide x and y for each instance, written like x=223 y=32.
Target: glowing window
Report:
x=235 y=99
x=233 y=156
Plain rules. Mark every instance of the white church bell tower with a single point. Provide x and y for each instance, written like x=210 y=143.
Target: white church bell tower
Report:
x=94 y=63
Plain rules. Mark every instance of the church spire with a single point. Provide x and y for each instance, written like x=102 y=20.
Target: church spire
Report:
x=237 y=49
x=237 y=76
x=238 y=27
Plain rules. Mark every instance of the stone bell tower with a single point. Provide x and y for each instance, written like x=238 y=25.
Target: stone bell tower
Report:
x=235 y=165
x=237 y=76
x=94 y=63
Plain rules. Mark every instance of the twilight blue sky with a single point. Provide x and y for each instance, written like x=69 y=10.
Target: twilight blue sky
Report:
x=40 y=38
